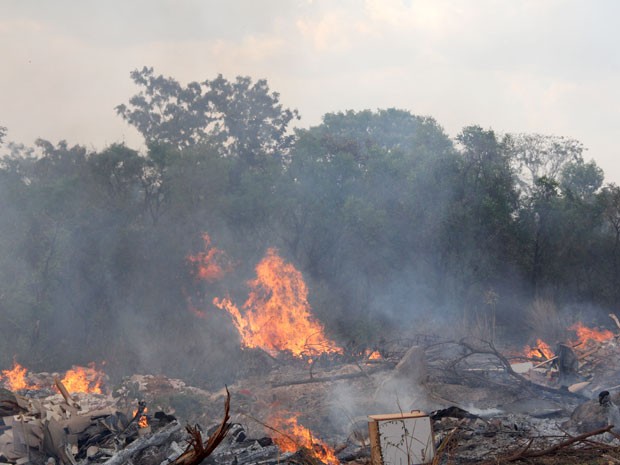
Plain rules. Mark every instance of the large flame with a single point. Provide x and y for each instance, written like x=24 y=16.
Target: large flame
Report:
x=277 y=314
x=585 y=334
x=295 y=436
x=84 y=379
x=15 y=378
x=212 y=264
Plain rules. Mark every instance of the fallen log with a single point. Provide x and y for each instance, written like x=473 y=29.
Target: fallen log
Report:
x=333 y=378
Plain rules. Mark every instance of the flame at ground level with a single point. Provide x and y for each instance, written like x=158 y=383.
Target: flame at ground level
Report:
x=15 y=378
x=541 y=348
x=584 y=336
x=143 y=421
x=294 y=436
x=277 y=314
x=84 y=379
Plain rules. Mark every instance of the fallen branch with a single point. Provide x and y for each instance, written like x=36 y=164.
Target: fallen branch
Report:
x=333 y=378
x=197 y=451
x=507 y=366
x=525 y=453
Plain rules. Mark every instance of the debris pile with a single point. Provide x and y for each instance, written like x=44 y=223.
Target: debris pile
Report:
x=484 y=404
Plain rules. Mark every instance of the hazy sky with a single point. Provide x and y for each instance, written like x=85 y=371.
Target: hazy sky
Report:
x=545 y=66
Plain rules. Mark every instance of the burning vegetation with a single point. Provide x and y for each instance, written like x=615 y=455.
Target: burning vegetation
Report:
x=276 y=317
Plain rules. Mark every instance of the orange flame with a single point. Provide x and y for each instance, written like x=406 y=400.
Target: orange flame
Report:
x=541 y=347
x=375 y=355
x=143 y=421
x=84 y=379
x=212 y=264
x=277 y=314
x=16 y=378
x=585 y=334
x=295 y=436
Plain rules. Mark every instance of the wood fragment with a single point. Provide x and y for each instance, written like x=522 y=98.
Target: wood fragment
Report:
x=65 y=394
x=615 y=318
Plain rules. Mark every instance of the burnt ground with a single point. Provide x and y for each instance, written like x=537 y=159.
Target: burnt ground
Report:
x=483 y=411
x=511 y=417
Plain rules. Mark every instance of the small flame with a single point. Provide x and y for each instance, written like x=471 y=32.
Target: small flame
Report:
x=374 y=355
x=84 y=379
x=16 y=378
x=541 y=348
x=585 y=334
x=212 y=264
x=295 y=436
x=277 y=315
x=143 y=421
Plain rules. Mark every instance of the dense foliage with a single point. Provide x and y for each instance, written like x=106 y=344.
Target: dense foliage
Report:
x=390 y=221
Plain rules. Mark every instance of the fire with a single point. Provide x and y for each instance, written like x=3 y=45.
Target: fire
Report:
x=212 y=264
x=143 y=421
x=585 y=334
x=374 y=355
x=277 y=314
x=294 y=436
x=541 y=348
x=84 y=379
x=16 y=378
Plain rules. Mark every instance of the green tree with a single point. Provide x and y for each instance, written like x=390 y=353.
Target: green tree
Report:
x=244 y=119
x=534 y=156
x=581 y=180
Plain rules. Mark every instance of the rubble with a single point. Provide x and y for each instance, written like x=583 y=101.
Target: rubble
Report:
x=485 y=404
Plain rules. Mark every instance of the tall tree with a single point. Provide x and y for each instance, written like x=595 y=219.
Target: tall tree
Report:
x=536 y=155
x=244 y=119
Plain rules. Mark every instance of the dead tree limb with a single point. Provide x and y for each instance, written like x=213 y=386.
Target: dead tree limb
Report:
x=525 y=453
x=197 y=450
x=508 y=367
x=333 y=378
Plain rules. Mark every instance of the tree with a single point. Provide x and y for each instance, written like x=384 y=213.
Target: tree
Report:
x=609 y=199
x=242 y=118
x=481 y=235
x=581 y=180
x=534 y=156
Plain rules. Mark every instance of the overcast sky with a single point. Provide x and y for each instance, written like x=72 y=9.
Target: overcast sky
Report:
x=545 y=66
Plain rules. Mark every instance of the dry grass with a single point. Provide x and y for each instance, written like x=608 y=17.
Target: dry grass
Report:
x=546 y=322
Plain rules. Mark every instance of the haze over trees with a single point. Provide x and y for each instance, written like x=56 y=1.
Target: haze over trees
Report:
x=390 y=221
